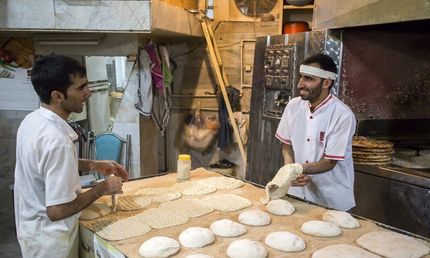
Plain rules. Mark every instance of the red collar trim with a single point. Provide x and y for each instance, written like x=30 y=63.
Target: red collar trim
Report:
x=329 y=97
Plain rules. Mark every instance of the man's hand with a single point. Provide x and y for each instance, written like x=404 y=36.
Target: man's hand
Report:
x=109 y=167
x=112 y=185
x=301 y=180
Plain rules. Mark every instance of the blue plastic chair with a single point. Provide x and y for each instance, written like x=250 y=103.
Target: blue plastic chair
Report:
x=109 y=146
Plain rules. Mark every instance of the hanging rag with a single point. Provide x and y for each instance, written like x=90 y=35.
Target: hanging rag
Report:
x=156 y=70
x=144 y=90
x=225 y=137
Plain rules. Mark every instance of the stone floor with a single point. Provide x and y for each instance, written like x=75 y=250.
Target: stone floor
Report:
x=9 y=246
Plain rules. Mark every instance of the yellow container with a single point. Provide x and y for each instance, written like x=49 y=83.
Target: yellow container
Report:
x=184 y=167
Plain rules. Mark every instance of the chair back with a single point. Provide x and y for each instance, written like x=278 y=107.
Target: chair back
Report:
x=109 y=146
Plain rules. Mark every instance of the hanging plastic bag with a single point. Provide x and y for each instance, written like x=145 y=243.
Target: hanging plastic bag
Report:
x=200 y=130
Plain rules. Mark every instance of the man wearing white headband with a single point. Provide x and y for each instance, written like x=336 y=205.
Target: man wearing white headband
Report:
x=316 y=130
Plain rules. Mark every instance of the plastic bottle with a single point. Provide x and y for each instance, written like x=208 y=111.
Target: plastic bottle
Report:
x=184 y=167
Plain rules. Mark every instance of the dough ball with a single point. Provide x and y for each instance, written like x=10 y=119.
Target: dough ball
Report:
x=199 y=256
x=321 y=228
x=227 y=228
x=285 y=241
x=196 y=237
x=159 y=247
x=254 y=218
x=245 y=248
x=343 y=251
x=393 y=245
x=280 y=207
x=341 y=218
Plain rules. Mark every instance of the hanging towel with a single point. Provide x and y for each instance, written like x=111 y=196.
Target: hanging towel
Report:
x=144 y=91
x=156 y=70
x=225 y=132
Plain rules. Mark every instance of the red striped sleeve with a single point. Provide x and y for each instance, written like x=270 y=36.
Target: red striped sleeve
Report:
x=334 y=157
x=283 y=140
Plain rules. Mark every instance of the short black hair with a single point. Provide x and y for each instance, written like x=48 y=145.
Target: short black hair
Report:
x=325 y=62
x=54 y=73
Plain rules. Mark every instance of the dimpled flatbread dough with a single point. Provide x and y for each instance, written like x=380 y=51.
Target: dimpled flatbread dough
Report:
x=227 y=202
x=227 y=228
x=321 y=228
x=95 y=210
x=393 y=245
x=161 y=218
x=159 y=247
x=130 y=202
x=254 y=218
x=195 y=237
x=246 y=248
x=193 y=188
x=280 y=207
x=285 y=241
x=343 y=251
x=222 y=182
x=123 y=229
x=191 y=208
x=341 y=218
x=160 y=194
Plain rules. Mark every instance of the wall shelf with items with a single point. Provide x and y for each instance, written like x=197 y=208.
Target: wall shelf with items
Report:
x=293 y=13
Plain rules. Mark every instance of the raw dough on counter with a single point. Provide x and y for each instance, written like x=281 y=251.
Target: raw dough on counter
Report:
x=162 y=218
x=222 y=182
x=393 y=245
x=123 y=229
x=95 y=210
x=199 y=256
x=227 y=228
x=196 y=237
x=245 y=248
x=160 y=194
x=130 y=202
x=254 y=218
x=282 y=181
x=191 y=208
x=343 y=251
x=321 y=228
x=159 y=247
x=227 y=202
x=341 y=218
x=280 y=207
x=193 y=188
x=285 y=241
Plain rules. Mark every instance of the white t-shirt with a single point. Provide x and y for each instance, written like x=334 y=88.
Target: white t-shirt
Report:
x=46 y=174
x=324 y=133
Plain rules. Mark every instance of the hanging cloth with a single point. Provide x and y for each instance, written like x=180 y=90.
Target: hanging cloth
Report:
x=156 y=70
x=144 y=90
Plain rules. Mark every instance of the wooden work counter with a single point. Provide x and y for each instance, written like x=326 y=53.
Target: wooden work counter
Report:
x=304 y=212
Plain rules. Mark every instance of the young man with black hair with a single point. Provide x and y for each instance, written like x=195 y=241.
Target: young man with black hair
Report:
x=48 y=197
x=316 y=130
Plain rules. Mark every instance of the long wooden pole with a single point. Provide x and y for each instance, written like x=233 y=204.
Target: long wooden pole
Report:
x=216 y=60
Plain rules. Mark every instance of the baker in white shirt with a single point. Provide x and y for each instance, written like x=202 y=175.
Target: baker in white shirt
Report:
x=316 y=130
x=47 y=192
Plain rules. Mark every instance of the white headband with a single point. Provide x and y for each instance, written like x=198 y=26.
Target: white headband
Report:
x=312 y=70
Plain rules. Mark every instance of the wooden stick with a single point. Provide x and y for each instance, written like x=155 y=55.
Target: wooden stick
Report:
x=222 y=83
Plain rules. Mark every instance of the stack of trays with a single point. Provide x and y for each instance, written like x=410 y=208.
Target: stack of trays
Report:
x=371 y=152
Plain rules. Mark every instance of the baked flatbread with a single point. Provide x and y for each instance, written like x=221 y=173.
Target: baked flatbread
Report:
x=365 y=142
x=130 y=202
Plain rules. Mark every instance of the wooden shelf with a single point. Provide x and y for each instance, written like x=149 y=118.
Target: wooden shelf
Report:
x=293 y=7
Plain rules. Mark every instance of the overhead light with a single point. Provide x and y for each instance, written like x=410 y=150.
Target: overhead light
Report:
x=67 y=39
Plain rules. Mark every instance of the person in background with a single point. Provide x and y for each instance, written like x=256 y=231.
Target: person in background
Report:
x=316 y=131
x=47 y=191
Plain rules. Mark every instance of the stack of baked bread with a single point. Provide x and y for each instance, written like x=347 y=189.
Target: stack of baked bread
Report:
x=371 y=151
